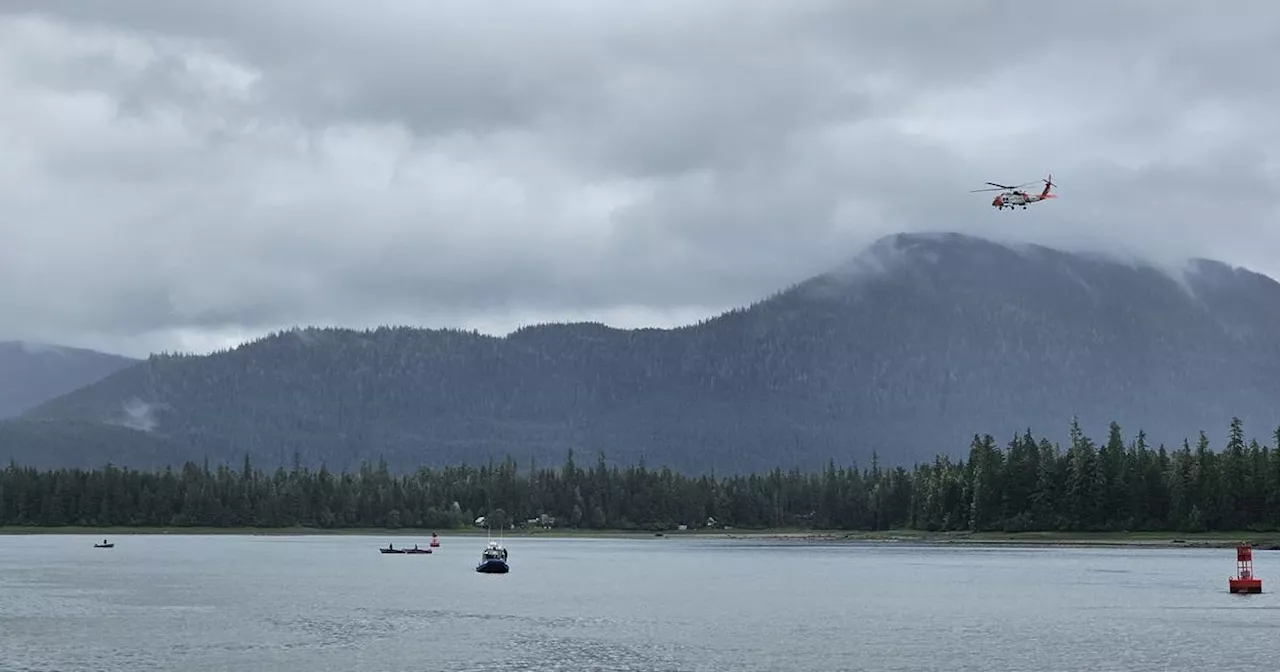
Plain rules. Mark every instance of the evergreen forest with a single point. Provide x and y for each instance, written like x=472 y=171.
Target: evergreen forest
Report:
x=1025 y=485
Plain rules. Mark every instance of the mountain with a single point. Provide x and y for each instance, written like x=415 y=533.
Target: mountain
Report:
x=909 y=349
x=33 y=373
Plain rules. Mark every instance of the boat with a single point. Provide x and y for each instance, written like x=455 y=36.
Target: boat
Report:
x=493 y=560
x=435 y=541
x=390 y=549
x=104 y=544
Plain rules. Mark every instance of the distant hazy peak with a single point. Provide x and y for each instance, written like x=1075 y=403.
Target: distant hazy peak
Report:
x=32 y=372
x=42 y=348
x=33 y=348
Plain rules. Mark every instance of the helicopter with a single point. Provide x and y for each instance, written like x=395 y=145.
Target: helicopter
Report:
x=1015 y=196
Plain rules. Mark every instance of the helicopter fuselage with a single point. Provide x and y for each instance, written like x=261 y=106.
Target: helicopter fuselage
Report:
x=1014 y=199
x=1011 y=199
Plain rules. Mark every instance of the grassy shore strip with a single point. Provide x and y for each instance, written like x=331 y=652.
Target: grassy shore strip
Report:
x=1261 y=540
x=1267 y=541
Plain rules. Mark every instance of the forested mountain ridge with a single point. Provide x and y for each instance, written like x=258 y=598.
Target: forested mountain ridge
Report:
x=910 y=349
x=33 y=373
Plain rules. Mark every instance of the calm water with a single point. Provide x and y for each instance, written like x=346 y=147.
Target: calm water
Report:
x=196 y=603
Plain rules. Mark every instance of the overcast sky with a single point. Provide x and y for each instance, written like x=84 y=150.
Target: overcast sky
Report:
x=181 y=175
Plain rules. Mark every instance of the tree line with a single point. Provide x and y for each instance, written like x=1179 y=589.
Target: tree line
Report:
x=1024 y=485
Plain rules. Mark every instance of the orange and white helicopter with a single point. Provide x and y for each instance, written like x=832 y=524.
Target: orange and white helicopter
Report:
x=1015 y=196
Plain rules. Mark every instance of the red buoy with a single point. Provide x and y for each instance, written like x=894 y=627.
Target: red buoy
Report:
x=435 y=542
x=1244 y=581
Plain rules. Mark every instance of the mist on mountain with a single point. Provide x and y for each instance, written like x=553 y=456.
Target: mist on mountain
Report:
x=905 y=351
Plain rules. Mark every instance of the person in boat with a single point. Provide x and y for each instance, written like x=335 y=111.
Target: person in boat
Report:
x=104 y=542
x=415 y=547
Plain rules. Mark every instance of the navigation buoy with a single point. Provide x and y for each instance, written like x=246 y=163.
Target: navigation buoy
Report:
x=1244 y=581
x=435 y=541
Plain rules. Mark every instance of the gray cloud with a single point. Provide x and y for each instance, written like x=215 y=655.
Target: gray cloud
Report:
x=182 y=175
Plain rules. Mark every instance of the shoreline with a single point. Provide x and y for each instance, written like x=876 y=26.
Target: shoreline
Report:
x=1259 y=540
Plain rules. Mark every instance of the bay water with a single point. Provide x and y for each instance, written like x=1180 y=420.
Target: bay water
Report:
x=314 y=603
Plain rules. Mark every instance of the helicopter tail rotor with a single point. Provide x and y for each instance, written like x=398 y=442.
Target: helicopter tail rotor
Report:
x=1048 y=184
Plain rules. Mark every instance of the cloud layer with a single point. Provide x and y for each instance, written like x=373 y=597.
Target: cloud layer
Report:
x=185 y=175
